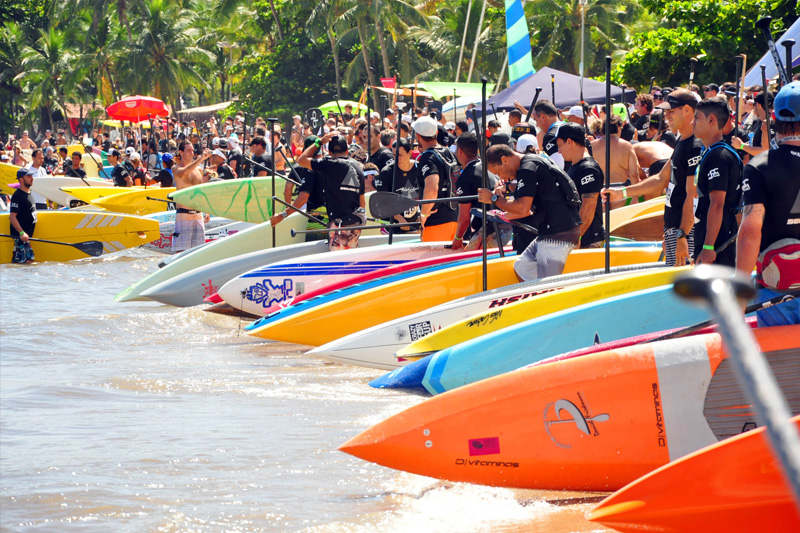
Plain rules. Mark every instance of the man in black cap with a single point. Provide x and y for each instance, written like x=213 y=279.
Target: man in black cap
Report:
x=22 y=217
x=588 y=178
x=678 y=179
x=711 y=90
x=344 y=189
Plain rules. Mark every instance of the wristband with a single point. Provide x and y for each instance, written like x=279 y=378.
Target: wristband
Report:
x=23 y=233
x=317 y=143
x=708 y=247
x=624 y=192
x=459 y=239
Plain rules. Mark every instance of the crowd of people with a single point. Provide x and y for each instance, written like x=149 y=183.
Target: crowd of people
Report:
x=546 y=176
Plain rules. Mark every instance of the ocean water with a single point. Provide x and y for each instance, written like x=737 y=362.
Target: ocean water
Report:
x=144 y=417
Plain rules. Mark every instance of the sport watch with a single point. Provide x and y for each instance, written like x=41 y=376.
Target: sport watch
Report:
x=680 y=234
x=495 y=197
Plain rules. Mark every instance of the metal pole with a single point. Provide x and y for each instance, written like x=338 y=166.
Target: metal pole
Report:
x=553 y=88
x=582 y=3
x=484 y=184
x=369 y=120
x=607 y=139
x=272 y=122
x=718 y=289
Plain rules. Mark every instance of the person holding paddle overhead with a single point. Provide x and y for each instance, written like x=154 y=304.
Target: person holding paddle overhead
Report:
x=344 y=189
x=22 y=217
x=438 y=223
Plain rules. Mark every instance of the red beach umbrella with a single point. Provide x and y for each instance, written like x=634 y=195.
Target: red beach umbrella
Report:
x=136 y=108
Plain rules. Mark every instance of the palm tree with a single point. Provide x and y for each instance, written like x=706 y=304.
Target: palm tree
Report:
x=558 y=28
x=165 y=51
x=321 y=21
x=49 y=72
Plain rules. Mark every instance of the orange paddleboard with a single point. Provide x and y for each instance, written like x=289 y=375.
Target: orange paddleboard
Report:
x=732 y=486
x=591 y=423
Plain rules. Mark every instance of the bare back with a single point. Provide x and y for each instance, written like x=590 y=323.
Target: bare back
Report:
x=624 y=164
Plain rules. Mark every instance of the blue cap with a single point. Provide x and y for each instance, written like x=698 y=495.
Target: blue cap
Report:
x=25 y=171
x=167 y=157
x=786 y=105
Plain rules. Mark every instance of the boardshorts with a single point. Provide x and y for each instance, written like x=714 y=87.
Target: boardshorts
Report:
x=189 y=231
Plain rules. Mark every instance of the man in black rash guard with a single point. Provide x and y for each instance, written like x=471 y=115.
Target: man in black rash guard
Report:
x=546 y=116
x=771 y=188
x=74 y=170
x=405 y=180
x=439 y=220
x=719 y=179
x=381 y=155
x=538 y=201
x=588 y=178
x=469 y=229
x=344 y=189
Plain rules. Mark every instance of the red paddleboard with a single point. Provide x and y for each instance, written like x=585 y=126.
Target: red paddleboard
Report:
x=735 y=485
x=631 y=341
x=591 y=423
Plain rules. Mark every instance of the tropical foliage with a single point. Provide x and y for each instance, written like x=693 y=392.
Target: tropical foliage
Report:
x=279 y=57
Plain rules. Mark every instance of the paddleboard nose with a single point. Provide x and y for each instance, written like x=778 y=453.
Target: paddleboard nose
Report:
x=611 y=513
x=213 y=299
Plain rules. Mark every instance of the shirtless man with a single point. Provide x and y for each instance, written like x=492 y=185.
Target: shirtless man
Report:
x=624 y=165
x=189 y=225
x=652 y=156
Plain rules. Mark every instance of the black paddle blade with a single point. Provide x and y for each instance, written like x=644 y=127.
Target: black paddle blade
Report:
x=92 y=248
x=384 y=204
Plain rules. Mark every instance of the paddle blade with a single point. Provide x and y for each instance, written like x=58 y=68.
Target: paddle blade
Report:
x=92 y=248
x=388 y=204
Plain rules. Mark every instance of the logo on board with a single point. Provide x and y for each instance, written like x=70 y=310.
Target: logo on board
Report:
x=266 y=294
x=564 y=421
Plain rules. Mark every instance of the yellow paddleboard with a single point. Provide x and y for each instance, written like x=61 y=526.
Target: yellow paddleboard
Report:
x=327 y=322
x=623 y=214
x=116 y=232
x=87 y=194
x=8 y=174
x=137 y=201
x=543 y=304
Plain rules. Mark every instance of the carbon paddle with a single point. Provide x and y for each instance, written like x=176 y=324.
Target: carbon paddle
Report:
x=93 y=248
x=346 y=228
x=384 y=204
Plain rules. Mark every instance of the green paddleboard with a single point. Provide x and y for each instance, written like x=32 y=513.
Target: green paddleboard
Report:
x=246 y=199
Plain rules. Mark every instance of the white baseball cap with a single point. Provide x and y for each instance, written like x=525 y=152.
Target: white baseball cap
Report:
x=374 y=114
x=233 y=142
x=219 y=153
x=135 y=156
x=525 y=141
x=215 y=141
x=575 y=111
x=425 y=126
x=129 y=150
x=450 y=126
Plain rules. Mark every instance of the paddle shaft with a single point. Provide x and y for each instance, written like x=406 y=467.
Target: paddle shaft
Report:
x=270 y=170
x=533 y=103
x=309 y=217
x=485 y=185
x=757 y=380
x=93 y=248
x=763 y=24
x=348 y=228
